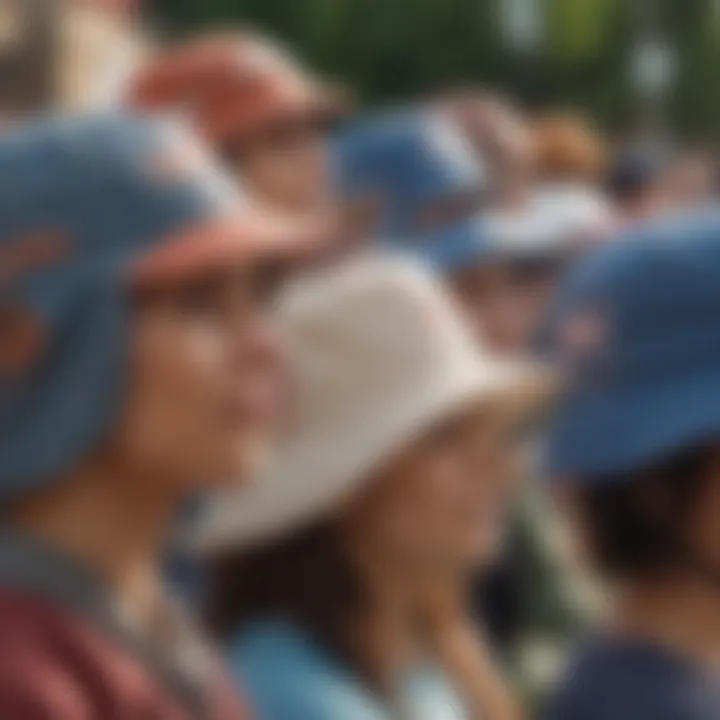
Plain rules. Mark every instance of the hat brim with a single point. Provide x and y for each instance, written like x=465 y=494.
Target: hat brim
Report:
x=239 y=241
x=486 y=240
x=474 y=243
x=448 y=250
x=320 y=103
x=314 y=479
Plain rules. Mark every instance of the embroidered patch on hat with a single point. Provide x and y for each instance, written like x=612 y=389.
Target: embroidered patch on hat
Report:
x=32 y=252
x=21 y=339
x=585 y=345
x=583 y=334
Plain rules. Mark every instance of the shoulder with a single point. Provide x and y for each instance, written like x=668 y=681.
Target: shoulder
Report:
x=632 y=682
x=36 y=678
x=56 y=664
x=287 y=677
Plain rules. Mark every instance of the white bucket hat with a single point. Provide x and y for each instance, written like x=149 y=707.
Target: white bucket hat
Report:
x=379 y=355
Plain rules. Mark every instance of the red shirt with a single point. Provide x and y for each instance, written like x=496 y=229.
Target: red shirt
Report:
x=56 y=666
x=67 y=654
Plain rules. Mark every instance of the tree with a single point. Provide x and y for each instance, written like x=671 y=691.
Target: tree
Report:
x=394 y=49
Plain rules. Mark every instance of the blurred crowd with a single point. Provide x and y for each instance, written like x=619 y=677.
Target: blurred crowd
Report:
x=313 y=411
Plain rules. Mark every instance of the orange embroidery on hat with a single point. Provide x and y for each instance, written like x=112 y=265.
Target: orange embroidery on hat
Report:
x=31 y=253
x=583 y=335
x=21 y=339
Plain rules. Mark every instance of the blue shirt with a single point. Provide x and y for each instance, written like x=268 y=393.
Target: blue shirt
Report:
x=625 y=680
x=289 y=677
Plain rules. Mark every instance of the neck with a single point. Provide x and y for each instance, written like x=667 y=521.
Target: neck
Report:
x=683 y=616
x=116 y=524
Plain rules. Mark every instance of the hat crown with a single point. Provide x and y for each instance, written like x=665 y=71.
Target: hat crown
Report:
x=408 y=159
x=379 y=356
x=108 y=186
x=370 y=336
x=635 y=327
x=419 y=174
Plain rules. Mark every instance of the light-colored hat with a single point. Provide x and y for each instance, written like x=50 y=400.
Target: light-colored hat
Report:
x=379 y=355
x=557 y=219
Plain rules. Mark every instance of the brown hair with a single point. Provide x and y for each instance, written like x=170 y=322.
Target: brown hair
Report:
x=308 y=579
x=636 y=522
x=567 y=147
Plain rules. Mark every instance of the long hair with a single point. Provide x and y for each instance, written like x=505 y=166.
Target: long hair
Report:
x=308 y=579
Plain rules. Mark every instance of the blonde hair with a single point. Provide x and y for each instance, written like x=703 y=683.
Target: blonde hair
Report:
x=568 y=147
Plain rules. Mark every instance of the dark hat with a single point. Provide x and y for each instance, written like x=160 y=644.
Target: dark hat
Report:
x=636 y=328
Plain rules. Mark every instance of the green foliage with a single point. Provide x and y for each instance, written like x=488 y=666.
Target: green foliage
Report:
x=394 y=49
x=577 y=29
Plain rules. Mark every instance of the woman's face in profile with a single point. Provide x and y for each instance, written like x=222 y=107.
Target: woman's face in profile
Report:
x=504 y=302
x=205 y=380
x=440 y=506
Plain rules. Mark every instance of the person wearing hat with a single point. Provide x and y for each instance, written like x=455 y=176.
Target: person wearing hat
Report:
x=423 y=192
x=390 y=478
x=266 y=116
x=533 y=600
x=560 y=216
x=138 y=366
x=633 y=449
x=433 y=200
x=415 y=183
x=527 y=252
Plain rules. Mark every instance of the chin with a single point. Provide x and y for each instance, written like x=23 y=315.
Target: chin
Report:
x=243 y=465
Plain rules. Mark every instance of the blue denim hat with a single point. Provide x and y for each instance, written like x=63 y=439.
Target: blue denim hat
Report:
x=89 y=208
x=637 y=328
x=413 y=163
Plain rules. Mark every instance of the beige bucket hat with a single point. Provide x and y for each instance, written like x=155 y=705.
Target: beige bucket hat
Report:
x=379 y=355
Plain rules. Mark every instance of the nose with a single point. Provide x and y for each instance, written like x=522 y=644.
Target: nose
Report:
x=256 y=344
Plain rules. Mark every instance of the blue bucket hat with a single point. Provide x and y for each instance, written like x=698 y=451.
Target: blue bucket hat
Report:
x=90 y=208
x=413 y=163
x=636 y=327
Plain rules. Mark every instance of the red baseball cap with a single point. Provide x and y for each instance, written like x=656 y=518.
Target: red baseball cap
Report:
x=233 y=85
